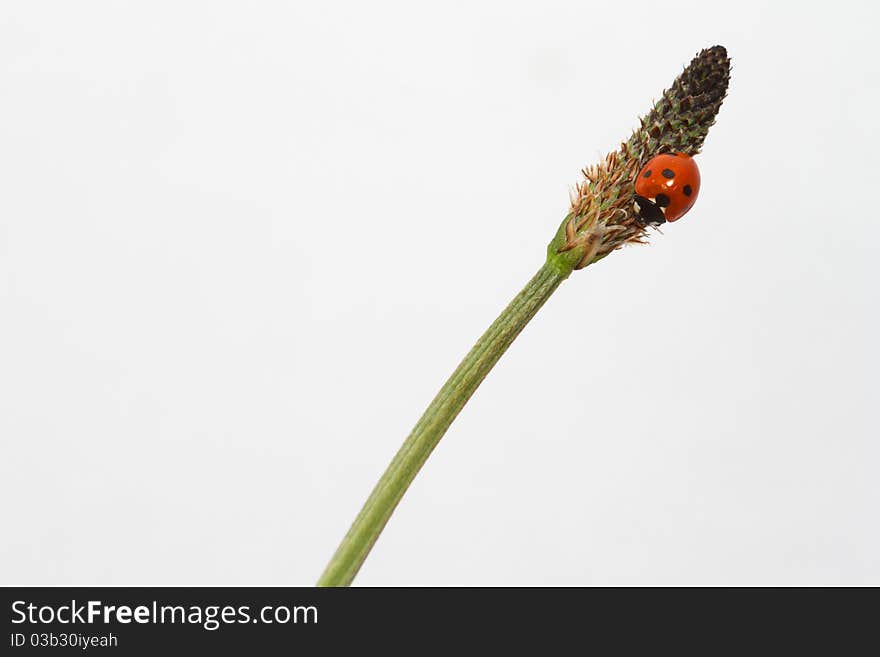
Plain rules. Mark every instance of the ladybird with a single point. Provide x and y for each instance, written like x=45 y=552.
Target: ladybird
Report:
x=666 y=188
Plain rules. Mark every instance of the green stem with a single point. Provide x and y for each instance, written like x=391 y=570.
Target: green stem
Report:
x=436 y=420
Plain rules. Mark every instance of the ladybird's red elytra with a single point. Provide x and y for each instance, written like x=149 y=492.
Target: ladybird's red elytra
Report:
x=666 y=187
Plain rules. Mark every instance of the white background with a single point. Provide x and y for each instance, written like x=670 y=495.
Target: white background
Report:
x=242 y=245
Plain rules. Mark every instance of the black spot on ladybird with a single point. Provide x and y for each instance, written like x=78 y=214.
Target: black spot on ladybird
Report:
x=647 y=174
x=662 y=200
x=687 y=190
x=668 y=173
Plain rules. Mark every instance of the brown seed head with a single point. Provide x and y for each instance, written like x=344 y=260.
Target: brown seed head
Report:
x=602 y=217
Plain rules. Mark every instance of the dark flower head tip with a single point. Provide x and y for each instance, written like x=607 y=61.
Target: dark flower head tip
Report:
x=681 y=119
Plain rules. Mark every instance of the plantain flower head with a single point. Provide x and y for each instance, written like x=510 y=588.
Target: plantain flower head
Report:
x=602 y=217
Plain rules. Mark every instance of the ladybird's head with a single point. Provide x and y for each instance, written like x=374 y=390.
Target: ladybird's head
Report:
x=650 y=210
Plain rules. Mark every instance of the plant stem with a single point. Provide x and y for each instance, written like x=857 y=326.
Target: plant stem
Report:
x=452 y=397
